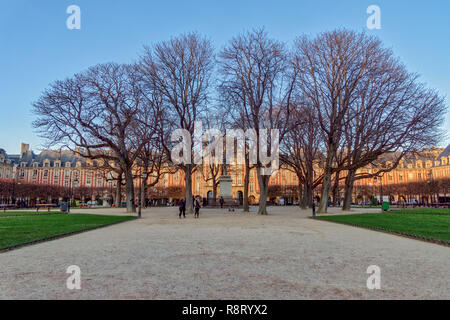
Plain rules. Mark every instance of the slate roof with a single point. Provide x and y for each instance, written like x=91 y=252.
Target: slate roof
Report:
x=445 y=153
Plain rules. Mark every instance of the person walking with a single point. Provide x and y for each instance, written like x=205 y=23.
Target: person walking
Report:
x=182 y=208
x=221 y=202
x=197 y=209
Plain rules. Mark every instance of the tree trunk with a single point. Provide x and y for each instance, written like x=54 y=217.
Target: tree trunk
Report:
x=118 y=197
x=336 y=189
x=263 y=192
x=307 y=197
x=349 y=182
x=300 y=193
x=188 y=184
x=214 y=183
x=246 y=184
x=143 y=192
x=326 y=185
x=129 y=190
x=326 y=182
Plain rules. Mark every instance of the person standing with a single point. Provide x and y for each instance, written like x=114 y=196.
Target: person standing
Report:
x=197 y=209
x=182 y=208
x=221 y=202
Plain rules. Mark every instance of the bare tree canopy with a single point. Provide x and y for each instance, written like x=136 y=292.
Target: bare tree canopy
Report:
x=366 y=102
x=254 y=72
x=340 y=101
x=180 y=71
x=100 y=111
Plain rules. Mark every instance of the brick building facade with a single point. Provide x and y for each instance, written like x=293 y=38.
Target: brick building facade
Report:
x=68 y=169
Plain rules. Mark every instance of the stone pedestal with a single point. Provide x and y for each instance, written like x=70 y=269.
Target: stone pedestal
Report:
x=225 y=183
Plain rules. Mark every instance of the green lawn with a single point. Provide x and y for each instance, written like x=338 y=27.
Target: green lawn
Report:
x=28 y=213
x=428 y=223
x=437 y=211
x=18 y=230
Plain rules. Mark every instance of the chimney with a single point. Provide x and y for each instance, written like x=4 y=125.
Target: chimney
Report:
x=24 y=148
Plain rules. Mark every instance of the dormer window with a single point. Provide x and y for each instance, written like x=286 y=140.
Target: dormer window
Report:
x=67 y=164
x=35 y=164
x=46 y=164
x=57 y=164
x=22 y=164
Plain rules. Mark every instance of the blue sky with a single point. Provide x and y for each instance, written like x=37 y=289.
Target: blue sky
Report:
x=37 y=48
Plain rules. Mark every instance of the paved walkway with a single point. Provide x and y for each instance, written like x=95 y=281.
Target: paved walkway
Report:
x=227 y=256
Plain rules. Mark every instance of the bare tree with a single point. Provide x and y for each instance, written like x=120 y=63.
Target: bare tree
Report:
x=180 y=70
x=97 y=111
x=301 y=150
x=254 y=69
x=365 y=101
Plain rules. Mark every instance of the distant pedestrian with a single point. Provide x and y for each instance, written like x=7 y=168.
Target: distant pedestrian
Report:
x=197 y=209
x=182 y=208
x=221 y=201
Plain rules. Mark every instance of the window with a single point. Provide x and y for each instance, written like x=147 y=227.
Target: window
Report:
x=35 y=172
x=251 y=187
x=67 y=173
x=419 y=176
x=57 y=164
x=45 y=173
x=67 y=164
x=400 y=178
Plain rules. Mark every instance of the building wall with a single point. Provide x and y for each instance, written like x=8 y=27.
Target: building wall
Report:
x=79 y=172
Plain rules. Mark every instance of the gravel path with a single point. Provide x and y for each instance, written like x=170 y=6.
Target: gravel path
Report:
x=227 y=256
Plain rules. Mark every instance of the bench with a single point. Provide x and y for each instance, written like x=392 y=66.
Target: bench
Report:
x=45 y=205
x=6 y=206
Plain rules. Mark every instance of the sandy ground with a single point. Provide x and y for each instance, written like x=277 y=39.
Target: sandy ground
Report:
x=225 y=255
